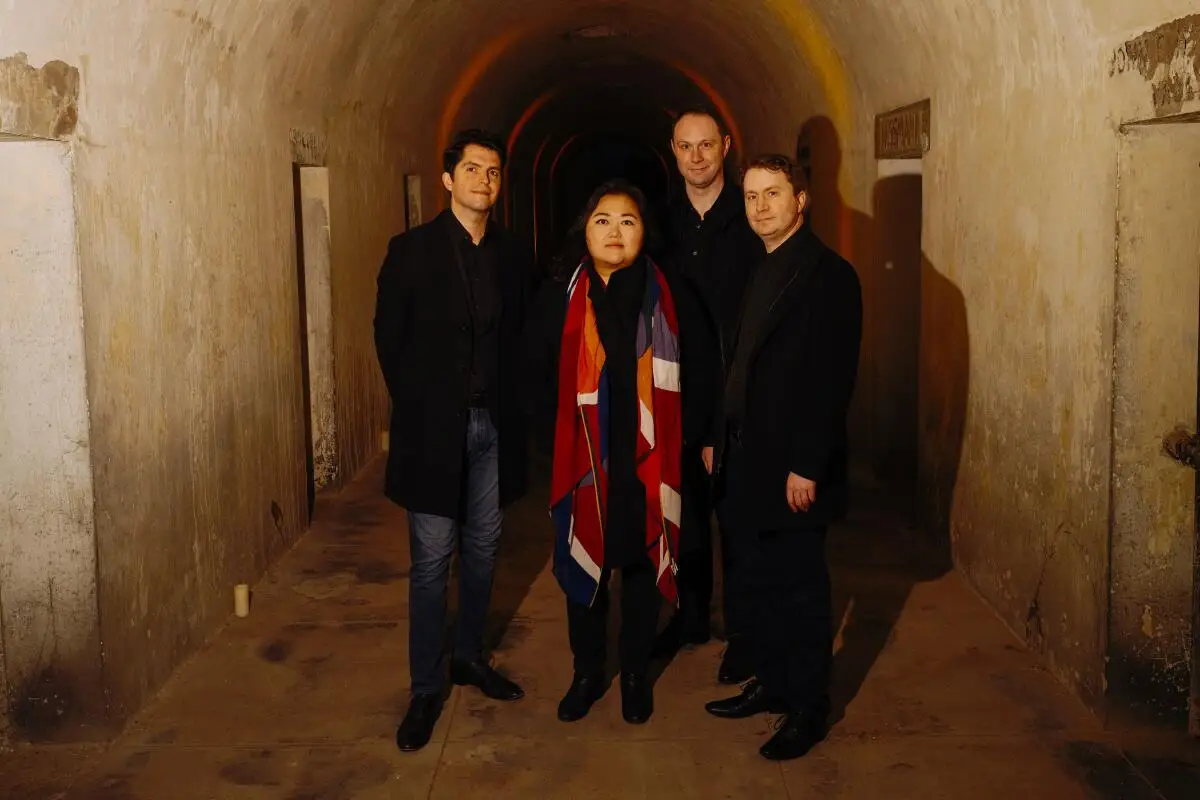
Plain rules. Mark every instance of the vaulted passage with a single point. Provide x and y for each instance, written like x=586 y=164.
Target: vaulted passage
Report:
x=197 y=198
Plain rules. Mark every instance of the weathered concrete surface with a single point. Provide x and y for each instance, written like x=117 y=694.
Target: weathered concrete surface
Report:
x=301 y=698
x=313 y=199
x=1154 y=498
x=38 y=102
x=366 y=194
x=49 y=631
x=1168 y=60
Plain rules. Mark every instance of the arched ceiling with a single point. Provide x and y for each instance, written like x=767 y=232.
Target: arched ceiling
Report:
x=434 y=62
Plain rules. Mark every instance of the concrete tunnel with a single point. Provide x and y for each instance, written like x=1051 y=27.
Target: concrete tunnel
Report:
x=1015 y=184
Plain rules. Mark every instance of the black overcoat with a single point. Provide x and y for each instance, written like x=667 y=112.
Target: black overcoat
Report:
x=801 y=375
x=423 y=339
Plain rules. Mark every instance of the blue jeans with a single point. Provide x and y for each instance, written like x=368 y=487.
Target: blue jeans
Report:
x=432 y=539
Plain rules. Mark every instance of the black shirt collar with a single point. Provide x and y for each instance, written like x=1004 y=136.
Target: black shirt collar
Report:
x=459 y=233
x=729 y=202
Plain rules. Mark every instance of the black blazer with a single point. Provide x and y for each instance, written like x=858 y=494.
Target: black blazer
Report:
x=423 y=339
x=800 y=379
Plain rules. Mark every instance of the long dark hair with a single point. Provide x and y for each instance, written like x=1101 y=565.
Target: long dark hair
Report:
x=574 y=247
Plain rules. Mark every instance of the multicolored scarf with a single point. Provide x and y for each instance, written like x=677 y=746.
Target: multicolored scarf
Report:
x=579 y=482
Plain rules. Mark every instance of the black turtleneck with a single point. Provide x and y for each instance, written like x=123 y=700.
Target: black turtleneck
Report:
x=768 y=283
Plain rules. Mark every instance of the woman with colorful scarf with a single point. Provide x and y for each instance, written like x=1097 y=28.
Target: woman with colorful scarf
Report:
x=608 y=353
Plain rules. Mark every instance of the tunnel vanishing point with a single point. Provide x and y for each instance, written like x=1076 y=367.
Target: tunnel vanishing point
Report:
x=196 y=198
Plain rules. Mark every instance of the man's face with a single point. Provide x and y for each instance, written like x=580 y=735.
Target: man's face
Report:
x=699 y=149
x=773 y=207
x=476 y=179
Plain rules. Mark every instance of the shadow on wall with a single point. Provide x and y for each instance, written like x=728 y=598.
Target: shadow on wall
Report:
x=908 y=414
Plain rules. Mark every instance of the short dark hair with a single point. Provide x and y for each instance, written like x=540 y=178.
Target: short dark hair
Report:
x=453 y=155
x=700 y=110
x=616 y=186
x=775 y=162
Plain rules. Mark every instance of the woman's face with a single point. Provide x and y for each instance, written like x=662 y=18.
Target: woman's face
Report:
x=614 y=232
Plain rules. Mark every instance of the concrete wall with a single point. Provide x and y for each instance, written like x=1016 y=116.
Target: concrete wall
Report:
x=368 y=162
x=1018 y=299
x=49 y=631
x=1155 y=391
x=317 y=304
x=186 y=240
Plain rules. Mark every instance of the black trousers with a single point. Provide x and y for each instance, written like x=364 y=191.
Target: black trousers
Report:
x=640 y=605
x=784 y=581
x=695 y=578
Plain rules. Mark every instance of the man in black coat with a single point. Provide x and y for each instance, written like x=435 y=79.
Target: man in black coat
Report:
x=712 y=249
x=450 y=306
x=781 y=454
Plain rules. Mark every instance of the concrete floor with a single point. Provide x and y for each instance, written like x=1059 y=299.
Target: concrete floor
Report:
x=301 y=699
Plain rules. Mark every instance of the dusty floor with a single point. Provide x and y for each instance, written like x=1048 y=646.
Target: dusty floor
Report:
x=301 y=699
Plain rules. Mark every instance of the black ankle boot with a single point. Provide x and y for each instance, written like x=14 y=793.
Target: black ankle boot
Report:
x=637 y=698
x=584 y=692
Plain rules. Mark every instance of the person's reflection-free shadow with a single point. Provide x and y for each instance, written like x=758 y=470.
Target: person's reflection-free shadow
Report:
x=907 y=417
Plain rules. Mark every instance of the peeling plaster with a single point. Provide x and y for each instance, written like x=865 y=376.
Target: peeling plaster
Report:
x=1168 y=58
x=41 y=103
x=309 y=148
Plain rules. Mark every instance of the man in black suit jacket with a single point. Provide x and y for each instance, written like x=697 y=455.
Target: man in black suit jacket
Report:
x=780 y=452
x=451 y=298
x=712 y=249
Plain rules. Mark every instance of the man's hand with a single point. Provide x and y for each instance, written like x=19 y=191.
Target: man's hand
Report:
x=707 y=455
x=801 y=492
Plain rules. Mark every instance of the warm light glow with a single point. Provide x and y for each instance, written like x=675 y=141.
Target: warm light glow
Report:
x=527 y=115
x=475 y=69
x=805 y=29
x=714 y=97
x=537 y=159
x=554 y=168
x=797 y=19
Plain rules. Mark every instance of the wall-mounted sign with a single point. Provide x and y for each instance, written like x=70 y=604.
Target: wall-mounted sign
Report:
x=903 y=132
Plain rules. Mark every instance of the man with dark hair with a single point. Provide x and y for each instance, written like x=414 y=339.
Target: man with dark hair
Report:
x=712 y=249
x=781 y=455
x=451 y=298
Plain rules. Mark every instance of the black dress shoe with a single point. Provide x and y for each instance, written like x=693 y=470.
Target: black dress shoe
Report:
x=637 y=698
x=737 y=664
x=417 y=727
x=578 y=701
x=490 y=682
x=796 y=734
x=753 y=700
